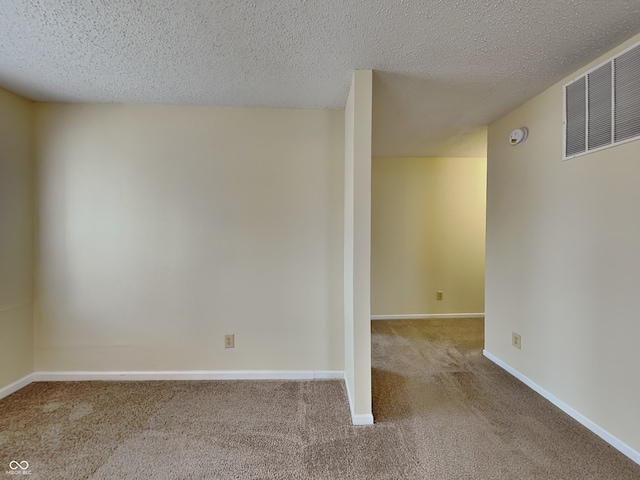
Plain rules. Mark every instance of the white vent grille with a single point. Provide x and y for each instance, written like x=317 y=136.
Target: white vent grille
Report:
x=602 y=107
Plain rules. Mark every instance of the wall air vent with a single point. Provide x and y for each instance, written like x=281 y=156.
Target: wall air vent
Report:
x=602 y=107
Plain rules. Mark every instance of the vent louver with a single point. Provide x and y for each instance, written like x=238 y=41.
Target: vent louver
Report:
x=602 y=107
x=600 y=92
x=627 y=81
x=576 y=117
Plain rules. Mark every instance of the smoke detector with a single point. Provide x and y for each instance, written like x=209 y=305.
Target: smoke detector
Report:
x=518 y=136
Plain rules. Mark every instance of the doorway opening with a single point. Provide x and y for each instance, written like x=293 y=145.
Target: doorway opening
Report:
x=427 y=278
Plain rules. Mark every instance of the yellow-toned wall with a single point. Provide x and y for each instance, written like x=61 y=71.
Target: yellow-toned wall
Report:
x=563 y=263
x=16 y=238
x=428 y=228
x=164 y=228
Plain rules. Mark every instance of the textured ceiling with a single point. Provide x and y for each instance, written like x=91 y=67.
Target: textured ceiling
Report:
x=444 y=68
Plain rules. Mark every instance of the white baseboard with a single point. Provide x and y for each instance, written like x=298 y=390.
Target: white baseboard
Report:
x=328 y=375
x=15 y=386
x=356 y=419
x=424 y=316
x=601 y=432
x=362 y=419
x=189 y=375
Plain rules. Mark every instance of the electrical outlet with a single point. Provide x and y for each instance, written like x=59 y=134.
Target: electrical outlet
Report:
x=516 y=341
x=439 y=295
x=228 y=341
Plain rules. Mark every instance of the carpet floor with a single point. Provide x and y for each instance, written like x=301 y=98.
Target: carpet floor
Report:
x=442 y=412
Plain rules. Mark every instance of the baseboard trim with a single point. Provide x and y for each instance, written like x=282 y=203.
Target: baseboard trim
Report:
x=601 y=432
x=362 y=419
x=356 y=419
x=328 y=375
x=15 y=386
x=425 y=316
x=189 y=375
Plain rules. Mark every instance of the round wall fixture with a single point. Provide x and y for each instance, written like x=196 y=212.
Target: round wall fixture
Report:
x=518 y=136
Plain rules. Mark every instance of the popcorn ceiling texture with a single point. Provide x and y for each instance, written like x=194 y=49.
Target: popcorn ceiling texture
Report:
x=463 y=63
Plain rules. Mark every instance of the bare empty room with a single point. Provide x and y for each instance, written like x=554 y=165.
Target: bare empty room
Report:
x=319 y=240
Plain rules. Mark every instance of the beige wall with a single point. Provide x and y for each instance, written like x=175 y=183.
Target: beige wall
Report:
x=563 y=265
x=16 y=238
x=428 y=228
x=164 y=228
x=357 y=246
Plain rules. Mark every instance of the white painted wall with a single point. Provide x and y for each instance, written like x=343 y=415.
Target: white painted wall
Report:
x=16 y=238
x=357 y=246
x=563 y=265
x=164 y=228
x=427 y=235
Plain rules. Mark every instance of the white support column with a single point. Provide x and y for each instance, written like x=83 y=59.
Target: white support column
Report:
x=357 y=246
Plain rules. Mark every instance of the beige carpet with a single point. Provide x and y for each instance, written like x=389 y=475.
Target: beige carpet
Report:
x=443 y=412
